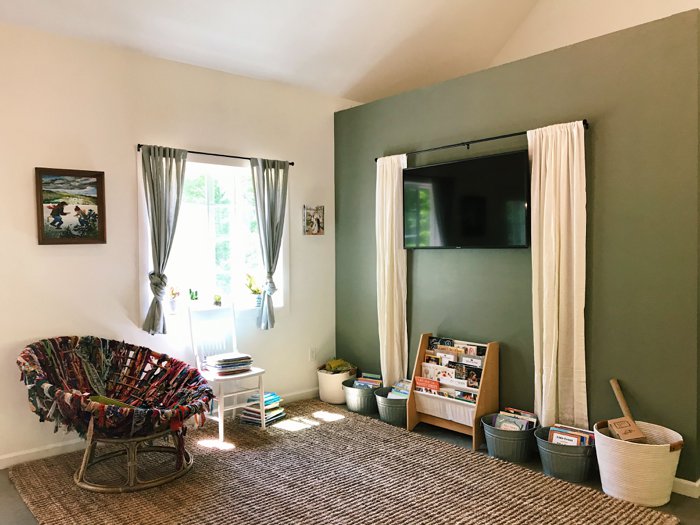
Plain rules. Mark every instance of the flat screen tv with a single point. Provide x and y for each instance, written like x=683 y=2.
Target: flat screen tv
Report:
x=481 y=202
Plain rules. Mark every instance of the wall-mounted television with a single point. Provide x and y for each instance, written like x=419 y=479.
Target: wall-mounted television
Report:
x=481 y=202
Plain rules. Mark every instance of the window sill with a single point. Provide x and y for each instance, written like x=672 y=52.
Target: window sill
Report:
x=245 y=310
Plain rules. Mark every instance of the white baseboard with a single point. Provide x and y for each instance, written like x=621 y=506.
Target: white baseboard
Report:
x=15 y=458
x=31 y=454
x=686 y=488
x=289 y=397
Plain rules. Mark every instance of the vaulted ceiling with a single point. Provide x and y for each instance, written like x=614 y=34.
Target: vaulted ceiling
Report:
x=357 y=49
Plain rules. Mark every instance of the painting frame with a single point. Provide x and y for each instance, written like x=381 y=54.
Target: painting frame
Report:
x=314 y=220
x=78 y=195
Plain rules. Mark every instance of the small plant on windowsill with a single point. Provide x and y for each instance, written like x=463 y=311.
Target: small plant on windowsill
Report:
x=254 y=289
x=174 y=294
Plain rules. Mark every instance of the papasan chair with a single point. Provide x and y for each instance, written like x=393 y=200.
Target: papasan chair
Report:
x=119 y=394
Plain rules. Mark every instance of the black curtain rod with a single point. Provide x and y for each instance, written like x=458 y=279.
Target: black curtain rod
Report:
x=475 y=141
x=138 y=148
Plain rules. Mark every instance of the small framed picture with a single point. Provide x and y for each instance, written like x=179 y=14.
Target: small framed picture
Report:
x=313 y=220
x=70 y=206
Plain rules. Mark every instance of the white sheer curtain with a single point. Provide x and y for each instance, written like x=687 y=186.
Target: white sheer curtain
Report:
x=558 y=211
x=391 y=269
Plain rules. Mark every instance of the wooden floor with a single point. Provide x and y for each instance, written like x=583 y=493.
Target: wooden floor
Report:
x=14 y=512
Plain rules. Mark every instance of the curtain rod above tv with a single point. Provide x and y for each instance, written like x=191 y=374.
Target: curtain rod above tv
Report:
x=467 y=143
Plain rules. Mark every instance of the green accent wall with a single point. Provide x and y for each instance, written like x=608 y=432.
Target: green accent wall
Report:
x=638 y=88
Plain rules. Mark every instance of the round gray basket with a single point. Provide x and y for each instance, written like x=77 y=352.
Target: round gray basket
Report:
x=567 y=462
x=360 y=400
x=518 y=446
x=392 y=411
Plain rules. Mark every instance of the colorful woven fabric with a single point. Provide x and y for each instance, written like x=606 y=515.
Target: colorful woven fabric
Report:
x=62 y=373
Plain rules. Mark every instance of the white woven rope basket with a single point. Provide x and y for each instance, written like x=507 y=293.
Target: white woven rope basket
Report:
x=636 y=472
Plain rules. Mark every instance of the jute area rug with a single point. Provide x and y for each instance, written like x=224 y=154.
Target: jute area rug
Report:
x=325 y=465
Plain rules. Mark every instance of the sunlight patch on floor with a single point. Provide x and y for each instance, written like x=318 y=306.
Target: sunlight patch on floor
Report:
x=298 y=423
x=327 y=416
x=216 y=444
x=291 y=425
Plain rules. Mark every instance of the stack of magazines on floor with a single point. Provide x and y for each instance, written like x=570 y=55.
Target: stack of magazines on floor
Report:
x=228 y=364
x=400 y=389
x=367 y=380
x=273 y=410
x=515 y=419
x=566 y=435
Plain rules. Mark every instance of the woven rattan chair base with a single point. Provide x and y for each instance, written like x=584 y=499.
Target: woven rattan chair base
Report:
x=131 y=448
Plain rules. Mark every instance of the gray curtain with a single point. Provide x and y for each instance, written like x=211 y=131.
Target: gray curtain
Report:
x=163 y=177
x=270 y=187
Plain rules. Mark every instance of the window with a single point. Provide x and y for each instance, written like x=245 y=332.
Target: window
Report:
x=216 y=240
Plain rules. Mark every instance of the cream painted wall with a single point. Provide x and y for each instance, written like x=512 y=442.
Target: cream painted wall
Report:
x=73 y=104
x=552 y=24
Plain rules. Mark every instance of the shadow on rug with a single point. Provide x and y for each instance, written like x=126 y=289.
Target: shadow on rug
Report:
x=324 y=465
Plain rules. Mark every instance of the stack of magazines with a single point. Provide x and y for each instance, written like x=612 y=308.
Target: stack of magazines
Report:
x=273 y=410
x=367 y=381
x=400 y=389
x=515 y=419
x=228 y=364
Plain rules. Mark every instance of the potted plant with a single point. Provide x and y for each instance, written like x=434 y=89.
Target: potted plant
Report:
x=330 y=380
x=174 y=294
x=254 y=289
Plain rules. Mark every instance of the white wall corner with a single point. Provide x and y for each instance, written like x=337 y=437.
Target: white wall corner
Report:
x=23 y=456
x=686 y=488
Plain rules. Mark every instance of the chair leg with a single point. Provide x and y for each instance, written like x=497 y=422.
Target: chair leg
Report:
x=261 y=390
x=89 y=451
x=131 y=463
x=220 y=406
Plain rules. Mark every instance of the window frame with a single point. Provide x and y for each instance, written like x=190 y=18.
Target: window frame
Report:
x=283 y=266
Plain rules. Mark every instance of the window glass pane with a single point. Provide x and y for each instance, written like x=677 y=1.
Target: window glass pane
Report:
x=221 y=187
x=194 y=189
x=222 y=216
x=216 y=242
x=222 y=255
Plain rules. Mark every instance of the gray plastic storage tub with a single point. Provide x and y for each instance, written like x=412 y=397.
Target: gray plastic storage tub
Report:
x=567 y=462
x=360 y=400
x=518 y=446
x=391 y=411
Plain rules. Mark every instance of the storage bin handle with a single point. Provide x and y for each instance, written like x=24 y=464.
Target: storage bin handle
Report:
x=676 y=446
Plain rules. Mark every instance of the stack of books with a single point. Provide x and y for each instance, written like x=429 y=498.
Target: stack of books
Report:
x=368 y=381
x=515 y=419
x=228 y=364
x=566 y=435
x=400 y=389
x=273 y=410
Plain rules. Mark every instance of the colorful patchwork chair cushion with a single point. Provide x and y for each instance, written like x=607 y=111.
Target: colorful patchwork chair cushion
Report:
x=130 y=390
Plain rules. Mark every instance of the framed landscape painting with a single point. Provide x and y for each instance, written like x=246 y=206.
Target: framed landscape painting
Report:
x=70 y=206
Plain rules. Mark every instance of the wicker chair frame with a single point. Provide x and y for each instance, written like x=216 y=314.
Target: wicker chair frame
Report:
x=160 y=394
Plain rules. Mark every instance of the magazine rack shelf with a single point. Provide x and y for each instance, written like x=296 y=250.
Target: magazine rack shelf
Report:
x=453 y=414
